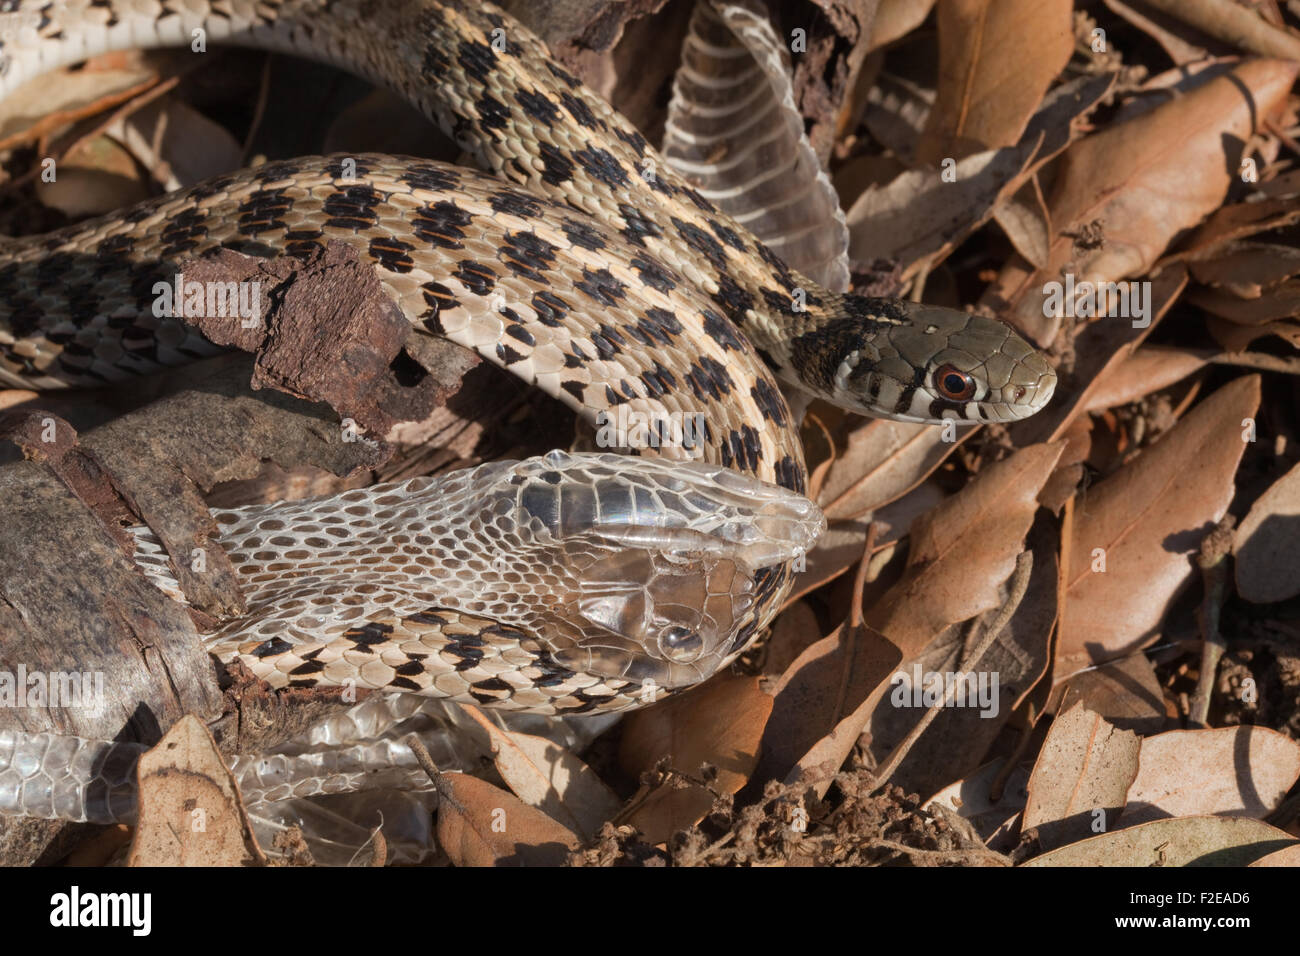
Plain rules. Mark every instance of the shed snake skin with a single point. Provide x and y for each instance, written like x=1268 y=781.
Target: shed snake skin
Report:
x=596 y=273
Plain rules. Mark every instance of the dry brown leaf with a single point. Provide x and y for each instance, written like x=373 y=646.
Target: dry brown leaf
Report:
x=1226 y=771
x=551 y=778
x=481 y=825
x=827 y=755
x=963 y=550
x=190 y=810
x=176 y=143
x=1187 y=841
x=882 y=461
x=1069 y=473
x=1080 y=778
x=831 y=686
x=1236 y=337
x=794 y=630
x=897 y=18
x=41 y=106
x=1235 y=24
x=1135 y=531
x=972 y=798
x=1146 y=370
x=1126 y=692
x=1287 y=857
x=959 y=735
x=719 y=724
x=1246 y=269
x=1267 y=546
x=837 y=550
x=1273 y=207
x=1280 y=302
x=1147 y=180
x=1098 y=347
x=996 y=59
x=93 y=179
x=920 y=215
x=1179 y=49
x=1025 y=219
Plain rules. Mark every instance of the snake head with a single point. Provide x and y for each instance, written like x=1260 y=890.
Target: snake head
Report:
x=662 y=561
x=917 y=363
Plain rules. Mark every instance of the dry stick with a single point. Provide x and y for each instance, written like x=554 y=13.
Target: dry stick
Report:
x=1234 y=24
x=423 y=759
x=1019 y=585
x=1215 y=548
x=133 y=105
x=259 y=110
x=380 y=853
x=942 y=856
x=1283 y=137
x=126 y=109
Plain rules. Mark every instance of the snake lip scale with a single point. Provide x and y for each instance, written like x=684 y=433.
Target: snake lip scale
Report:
x=562 y=265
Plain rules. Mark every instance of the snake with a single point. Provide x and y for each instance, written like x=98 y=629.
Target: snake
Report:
x=576 y=259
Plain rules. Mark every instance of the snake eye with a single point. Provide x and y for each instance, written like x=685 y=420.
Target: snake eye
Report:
x=953 y=384
x=680 y=644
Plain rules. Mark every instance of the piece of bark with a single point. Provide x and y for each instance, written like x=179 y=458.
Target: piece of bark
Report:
x=71 y=601
x=323 y=329
x=70 y=596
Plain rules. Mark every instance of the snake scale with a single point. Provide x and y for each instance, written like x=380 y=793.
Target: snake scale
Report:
x=580 y=262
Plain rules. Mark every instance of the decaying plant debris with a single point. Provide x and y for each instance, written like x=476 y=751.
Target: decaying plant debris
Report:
x=1126 y=562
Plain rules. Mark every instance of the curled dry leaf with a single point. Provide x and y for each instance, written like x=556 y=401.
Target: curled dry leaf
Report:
x=719 y=724
x=1142 y=190
x=1281 y=302
x=481 y=825
x=1226 y=771
x=1080 y=778
x=1135 y=532
x=1272 y=206
x=42 y=106
x=1246 y=269
x=190 y=810
x=996 y=59
x=962 y=550
x=824 y=701
x=1267 y=546
x=549 y=777
x=1187 y=841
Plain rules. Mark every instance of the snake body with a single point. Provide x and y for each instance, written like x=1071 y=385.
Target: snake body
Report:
x=596 y=273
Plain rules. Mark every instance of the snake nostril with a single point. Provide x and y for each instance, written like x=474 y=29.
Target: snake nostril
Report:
x=1020 y=392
